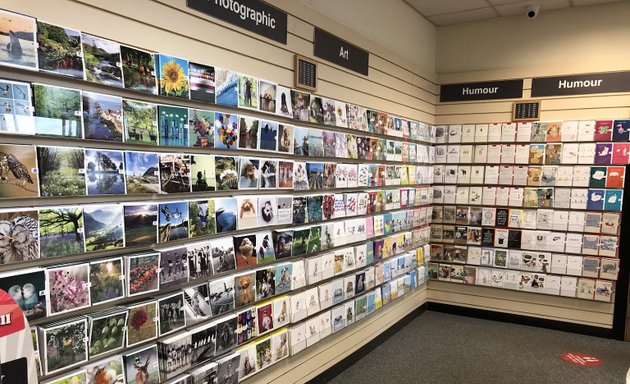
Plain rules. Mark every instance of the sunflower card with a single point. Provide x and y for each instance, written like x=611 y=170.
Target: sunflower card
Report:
x=172 y=74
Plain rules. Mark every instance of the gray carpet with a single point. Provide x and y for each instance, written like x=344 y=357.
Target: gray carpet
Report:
x=443 y=348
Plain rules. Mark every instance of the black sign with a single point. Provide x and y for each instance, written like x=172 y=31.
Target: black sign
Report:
x=340 y=52
x=581 y=84
x=528 y=111
x=253 y=15
x=487 y=90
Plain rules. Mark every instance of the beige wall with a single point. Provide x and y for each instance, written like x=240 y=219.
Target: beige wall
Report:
x=393 y=24
x=570 y=41
x=581 y=39
x=169 y=26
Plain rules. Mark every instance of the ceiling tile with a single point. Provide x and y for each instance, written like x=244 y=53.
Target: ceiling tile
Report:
x=520 y=7
x=463 y=17
x=592 y=2
x=440 y=7
x=500 y=2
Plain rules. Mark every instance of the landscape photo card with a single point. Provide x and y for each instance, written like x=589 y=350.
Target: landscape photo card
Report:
x=101 y=58
x=104 y=227
x=61 y=171
x=61 y=231
x=58 y=111
x=140 y=120
x=102 y=117
x=106 y=280
x=59 y=50
x=138 y=68
x=105 y=172
x=142 y=170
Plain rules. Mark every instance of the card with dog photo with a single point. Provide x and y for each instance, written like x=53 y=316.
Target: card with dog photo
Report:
x=267 y=92
x=286 y=138
x=247 y=92
x=265 y=252
x=248 y=127
x=249 y=173
x=247 y=212
x=268 y=174
x=285 y=174
x=245 y=289
x=245 y=250
x=267 y=210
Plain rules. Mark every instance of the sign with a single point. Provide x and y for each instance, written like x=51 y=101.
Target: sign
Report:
x=581 y=84
x=487 y=90
x=330 y=47
x=581 y=359
x=305 y=73
x=253 y=15
x=526 y=111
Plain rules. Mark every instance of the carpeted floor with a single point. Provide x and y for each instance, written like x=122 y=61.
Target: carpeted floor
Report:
x=442 y=348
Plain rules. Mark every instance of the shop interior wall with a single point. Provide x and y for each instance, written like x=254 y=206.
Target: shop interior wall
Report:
x=395 y=84
x=571 y=41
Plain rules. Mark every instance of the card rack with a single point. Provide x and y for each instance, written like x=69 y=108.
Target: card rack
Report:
x=534 y=207
x=136 y=300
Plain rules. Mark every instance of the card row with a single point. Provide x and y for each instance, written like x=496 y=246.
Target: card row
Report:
x=122 y=327
x=568 y=286
x=68 y=52
x=547 y=219
x=530 y=261
x=60 y=289
x=593 y=199
x=539 y=131
x=110 y=118
x=61 y=231
x=536 y=154
x=63 y=171
x=546 y=176
x=578 y=243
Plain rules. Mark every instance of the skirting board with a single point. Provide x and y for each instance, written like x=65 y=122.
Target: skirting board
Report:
x=319 y=358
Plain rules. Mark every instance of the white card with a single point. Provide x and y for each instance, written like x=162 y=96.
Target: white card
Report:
x=492 y=174
x=481 y=133
x=508 y=132
x=494 y=132
x=521 y=155
x=586 y=130
x=523 y=132
x=569 y=131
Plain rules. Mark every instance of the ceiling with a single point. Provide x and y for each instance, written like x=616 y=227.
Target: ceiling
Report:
x=446 y=12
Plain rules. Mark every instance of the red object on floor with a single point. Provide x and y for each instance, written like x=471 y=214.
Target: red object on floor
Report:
x=581 y=359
